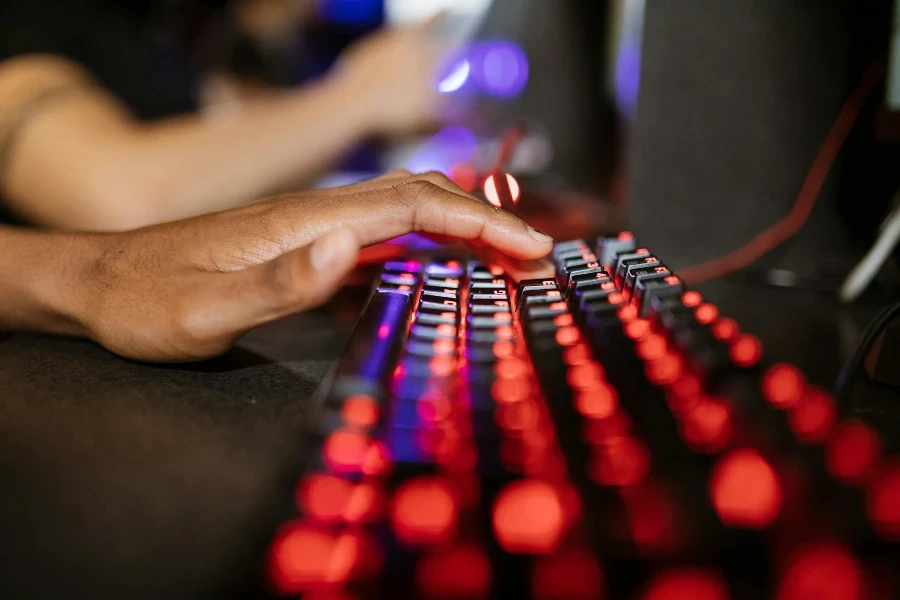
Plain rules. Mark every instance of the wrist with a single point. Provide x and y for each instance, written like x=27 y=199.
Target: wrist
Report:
x=43 y=281
x=351 y=103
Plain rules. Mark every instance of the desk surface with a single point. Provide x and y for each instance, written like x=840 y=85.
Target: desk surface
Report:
x=120 y=479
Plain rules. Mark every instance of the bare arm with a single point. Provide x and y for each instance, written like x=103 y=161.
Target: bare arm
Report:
x=80 y=161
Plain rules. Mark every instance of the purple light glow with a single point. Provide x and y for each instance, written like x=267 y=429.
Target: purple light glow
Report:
x=450 y=146
x=500 y=68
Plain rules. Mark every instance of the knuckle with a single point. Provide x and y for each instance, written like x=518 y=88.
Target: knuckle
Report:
x=436 y=177
x=413 y=193
x=191 y=323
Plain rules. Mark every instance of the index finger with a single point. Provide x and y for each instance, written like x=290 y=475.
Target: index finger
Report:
x=421 y=206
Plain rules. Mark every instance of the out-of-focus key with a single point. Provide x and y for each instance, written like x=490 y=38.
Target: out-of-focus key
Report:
x=609 y=246
x=647 y=273
x=561 y=247
x=451 y=268
x=534 y=287
x=645 y=291
x=625 y=267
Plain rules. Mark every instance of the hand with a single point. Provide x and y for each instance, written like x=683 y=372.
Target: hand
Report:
x=189 y=289
x=393 y=73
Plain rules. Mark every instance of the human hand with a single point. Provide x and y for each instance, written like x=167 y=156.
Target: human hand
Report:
x=393 y=75
x=189 y=289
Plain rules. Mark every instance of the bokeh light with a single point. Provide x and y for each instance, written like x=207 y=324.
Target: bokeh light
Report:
x=451 y=146
x=455 y=78
x=352 y=12
x=499 y=68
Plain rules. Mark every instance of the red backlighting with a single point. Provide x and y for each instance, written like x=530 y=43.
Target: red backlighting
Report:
x=691 y=298
x=745 y=350
x=442 y=365
x=384 y=331
x=684 y=394
x=665 y=370
x=601 y=431
x=686 y=584
x=360 y=410
x=424 y=511
x=637 y=329
x=576 y=354
x=465 y=176
x=344 y=451
x=822 y=571
x=364 y=505
x=567 y=575
x=625 y=236
x=852 y=452
x=444 y=345
x=407 y=276
x=672 y=280
x=626 y=313
x=745 y=491
x=511 y=368
x=653 y=347
x=509 y=390
x=504 y=332
x=377 y=460
x=651 y=518
x=706 y=313
x=813 y=417
x=492 y=193
x=517 y=416
x=783 y=385
x=528 y=517
x=725 y=329
x=584 y=376
x=300 y=557
x=402 y=288
x=446 y=329
x=323 y=497
x=606 y=285
x=448 y=315
x=496 y=271
x=502 y=317
x=615 y=298
x=503 y=349
x=598 y=402
x=622 y=462
x=566 y=336
x=707 y=428
x=462 y=573
x=562 y=320
x=883 y=502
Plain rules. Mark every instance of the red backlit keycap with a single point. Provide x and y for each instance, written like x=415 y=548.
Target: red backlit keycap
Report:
x=707 y=428
x=360 y=410
x=883 y=501
x=462 y=572
x=345 y=450
x=724 y=329
x=585 y=375
x=745 y=350
x=783 y=385
x=424 y=510
x=813 y=416
x=620 y=462
x=852 y=452
x=691 y=298
x=822 y=570
x=686 y=584
x=567 y=575
x=598 y=401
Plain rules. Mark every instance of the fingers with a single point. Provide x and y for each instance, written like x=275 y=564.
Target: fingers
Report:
x=293 y=282
x=518 y=270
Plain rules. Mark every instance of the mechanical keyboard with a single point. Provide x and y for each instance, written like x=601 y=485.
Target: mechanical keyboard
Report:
x=604 y=433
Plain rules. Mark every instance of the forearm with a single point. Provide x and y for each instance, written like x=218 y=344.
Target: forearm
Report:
x=41 y=280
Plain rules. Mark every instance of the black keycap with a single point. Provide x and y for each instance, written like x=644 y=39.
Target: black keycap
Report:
x=408 y=266
x=600 y=280
x=493 y=284
x=647 y=273
x=451 y=268
x=549 y=298
x=490 y=334
x=485 y=307
x=428 y=332
x=561 y=247
x=609 y=246
x=621 y=257
x=433 y=294
x=436 y=318
x=393 y=287
x=592 y=272
x=646 y=290
x=586 y=261
x=534 y=287
x=627 y=266
x=493 y=295
x=495 y=320
x=551 y=310
x=439 y=305
x=446 y=282
x=428 y=349
x=480 y=272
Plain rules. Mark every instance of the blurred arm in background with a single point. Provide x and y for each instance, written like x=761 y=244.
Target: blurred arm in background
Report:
x=73 y=157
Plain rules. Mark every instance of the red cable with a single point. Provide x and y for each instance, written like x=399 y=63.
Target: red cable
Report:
x=788 y=226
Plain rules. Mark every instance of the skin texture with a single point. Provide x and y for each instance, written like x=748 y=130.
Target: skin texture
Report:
x=109 y=172
x=188 y=290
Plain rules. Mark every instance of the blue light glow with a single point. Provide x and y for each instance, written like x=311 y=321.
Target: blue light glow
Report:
x=456 y=78
x=352 y=12
x=451 y=146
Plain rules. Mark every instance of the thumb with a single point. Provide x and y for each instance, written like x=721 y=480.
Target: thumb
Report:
x=298 y=280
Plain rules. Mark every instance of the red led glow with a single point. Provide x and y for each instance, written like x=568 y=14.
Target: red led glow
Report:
x=745 y=350
x=883 y=502
x=615 y=298
x=402 y=288
x=585 y=376
x=496 y=271
x=407 y=276
x=651 y=518
x=691 y=298
x=444 y=346
x=626 y=313
x=621 y=462
x=783 y=385
x=360 y=410
x=707 y=428
x=446 y=329
x=384 y=331
x=745 y=491
x=725 y=329
x=345 y=450
x=567 y=575
x=517 y=416
x=577 y=354
x=598 y=402
x=665 y=370
x=510 y=390
x=563 y=320
x=299 y=558
x=686 y=584
x=653 y=347
x=566 y=336
x=528 y=517
x=465 y=176
x=637 y=329
x=364 y=505
x=323 y=497
x=822 y=571
x=502 y=317
x=813 y=417
x=442 y=366
x=511 y=368
x=434 y=409
x=503 y=349
x=601 y=431
x=684 y=394
x=625 y=236
x=852 y=452
x=462 y=573
x=424 y=511
x=706 y=313
x=377 y=460
x=504 y=332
